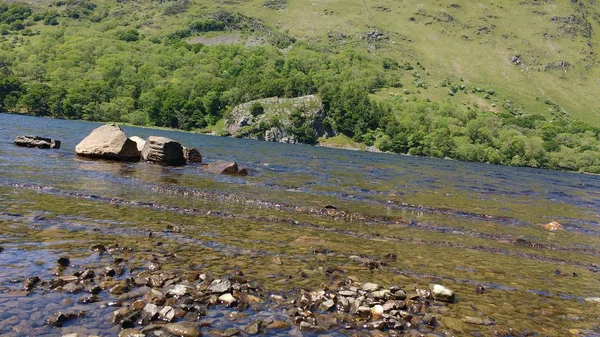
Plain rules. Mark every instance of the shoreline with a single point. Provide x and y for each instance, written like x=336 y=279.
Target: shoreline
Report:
x=347 y=148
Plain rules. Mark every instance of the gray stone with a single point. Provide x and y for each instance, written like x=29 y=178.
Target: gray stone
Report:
x=150 y=311
x=219 y=286
x=442 y=293
x=183 y=329
x=166 y=314
x=254 y=328
x=179 y=290
x=108 y=142
x=370 y=287
x=131 y=333
x=37 y=142
x=162 y=150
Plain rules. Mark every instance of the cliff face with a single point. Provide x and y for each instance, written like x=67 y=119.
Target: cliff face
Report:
x=284 y=120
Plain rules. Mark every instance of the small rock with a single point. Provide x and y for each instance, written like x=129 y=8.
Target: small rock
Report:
x=376 y=312
x=89 y=299
x=183 y=329
x=150 y=311
x=254 y=328
x=119 y=314
x=442 y=293
x=179 y=290
x=553 y=226
x=278 y=325
x=370 y=287
x=593 y=299
x=30 y=282
x=478 y=321
x=131 y=333
x=63 y=261
x=429 y=319
x=72 y=288
x=380 y=294
x=166 y=314
x=71 y=335
x=227 y=298
x=327 y=305
x=219 y=286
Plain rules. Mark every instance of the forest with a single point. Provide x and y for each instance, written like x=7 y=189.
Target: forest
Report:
x=70 y=61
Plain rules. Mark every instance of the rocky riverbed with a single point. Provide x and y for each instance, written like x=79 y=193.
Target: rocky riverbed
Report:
x=139 y=297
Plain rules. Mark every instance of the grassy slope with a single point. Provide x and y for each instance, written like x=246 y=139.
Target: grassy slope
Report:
x=468 y=47
x=473 y=48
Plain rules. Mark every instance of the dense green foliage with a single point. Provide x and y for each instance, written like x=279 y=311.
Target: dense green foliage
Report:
x=119 y=74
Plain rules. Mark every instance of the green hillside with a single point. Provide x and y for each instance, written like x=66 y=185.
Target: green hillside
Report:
x=504 y=82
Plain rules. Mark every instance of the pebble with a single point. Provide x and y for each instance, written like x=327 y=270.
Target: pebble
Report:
x=227 y=298
x=442 y=293
x=478 y=321
x=63 y=261
x=254 y=328
x=183 y=329
x=179 y=290
x=166 y=314
x=371 y=287
x=219 y=286
x=131 y=333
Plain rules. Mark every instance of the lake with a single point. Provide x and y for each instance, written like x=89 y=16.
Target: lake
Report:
x=304 y=218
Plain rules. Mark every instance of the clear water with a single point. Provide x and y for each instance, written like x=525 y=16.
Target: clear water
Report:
x=460 y=224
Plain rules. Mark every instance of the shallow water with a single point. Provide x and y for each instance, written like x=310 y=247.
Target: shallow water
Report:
x=459 y=224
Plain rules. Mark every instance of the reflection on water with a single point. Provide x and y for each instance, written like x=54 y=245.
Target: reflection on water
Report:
x=457 y=223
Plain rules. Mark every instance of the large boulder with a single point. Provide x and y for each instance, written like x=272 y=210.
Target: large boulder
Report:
x=39 y=142
x=192 y=155
x=108 y=142
x=162 y=150
x=140 y=142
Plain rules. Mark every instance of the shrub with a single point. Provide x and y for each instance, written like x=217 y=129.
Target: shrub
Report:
x=257 y=109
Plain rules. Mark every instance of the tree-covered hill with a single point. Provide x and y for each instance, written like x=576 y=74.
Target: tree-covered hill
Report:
x=504 y=82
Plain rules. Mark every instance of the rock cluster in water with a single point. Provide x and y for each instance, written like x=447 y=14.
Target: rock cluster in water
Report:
x=157 y=302
x=110 y=142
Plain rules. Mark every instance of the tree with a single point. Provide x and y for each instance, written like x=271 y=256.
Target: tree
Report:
x=36 y=99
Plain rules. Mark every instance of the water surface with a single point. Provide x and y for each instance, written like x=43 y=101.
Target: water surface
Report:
x=459 y=224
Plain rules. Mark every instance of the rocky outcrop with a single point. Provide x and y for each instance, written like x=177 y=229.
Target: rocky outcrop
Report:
x=192 y=155
x=37 y=142
x=225 y=167
x=140 y=142
x=279 y=119
x=108 y=142
x=162 y=150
